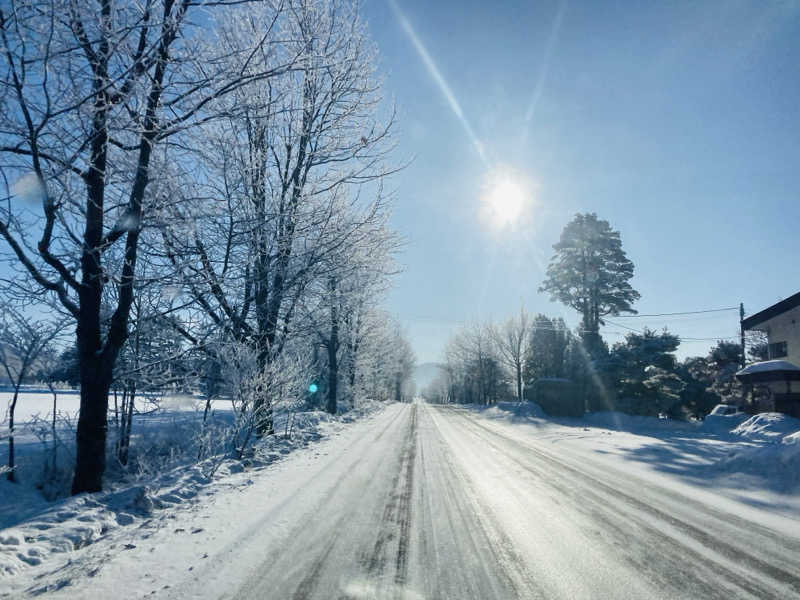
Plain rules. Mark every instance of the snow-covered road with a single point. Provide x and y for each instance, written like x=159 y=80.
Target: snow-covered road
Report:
x=438 y=502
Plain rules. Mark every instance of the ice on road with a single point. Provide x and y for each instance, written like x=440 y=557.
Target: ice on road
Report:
x=436 y=502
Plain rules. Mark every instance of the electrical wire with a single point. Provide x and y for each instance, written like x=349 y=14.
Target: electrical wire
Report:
x=692 y=339
x=672 y=314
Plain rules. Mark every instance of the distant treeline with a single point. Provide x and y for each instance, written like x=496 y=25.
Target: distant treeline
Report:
x=640 y=375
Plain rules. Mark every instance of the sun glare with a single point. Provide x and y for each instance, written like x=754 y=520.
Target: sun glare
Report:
x=505 y=200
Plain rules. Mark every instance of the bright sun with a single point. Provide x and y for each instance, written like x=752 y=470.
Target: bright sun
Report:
x=505 y=201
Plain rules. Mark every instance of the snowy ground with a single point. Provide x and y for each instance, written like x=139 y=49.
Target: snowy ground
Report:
x=419 y=501
x=164 y=476
x=33 y=437
x=755 y=461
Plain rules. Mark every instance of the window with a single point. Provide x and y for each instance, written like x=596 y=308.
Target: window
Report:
x=777 y=350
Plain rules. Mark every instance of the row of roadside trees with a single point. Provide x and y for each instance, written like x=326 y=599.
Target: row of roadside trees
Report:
x=194 y=193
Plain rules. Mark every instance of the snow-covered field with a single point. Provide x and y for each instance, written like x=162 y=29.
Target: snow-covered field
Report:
x=418 y=501
x=172 y=421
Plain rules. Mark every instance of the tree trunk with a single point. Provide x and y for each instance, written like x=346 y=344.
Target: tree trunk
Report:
x=519 y=382
x=333 y=349
x=125 y=430
x=262 y=405
x=11 y=409
x=120 y=419
x=206 y=409
x=92 y=427
x=333 y=370
x=53 y=425
x=116 y=409
x=333 y=379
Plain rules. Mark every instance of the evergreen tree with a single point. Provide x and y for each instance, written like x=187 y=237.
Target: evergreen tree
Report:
x=591 y=273
x=663 y=391
x=67 y=368
x=576 y=365
x=724 y=360
x=644 y=367
x=547 y=349
x=697 y=399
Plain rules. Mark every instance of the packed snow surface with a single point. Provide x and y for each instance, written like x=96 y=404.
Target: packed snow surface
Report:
x=421 y=501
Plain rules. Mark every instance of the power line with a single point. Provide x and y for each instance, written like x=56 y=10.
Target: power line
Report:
x=672 y=314
x=692 y=339
x=623 y=326
x=708 y=339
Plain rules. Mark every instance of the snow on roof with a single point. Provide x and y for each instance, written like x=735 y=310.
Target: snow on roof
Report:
x=768 y=366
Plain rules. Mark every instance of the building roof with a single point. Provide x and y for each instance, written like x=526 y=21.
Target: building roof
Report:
x=769 y=370
x=772 y=311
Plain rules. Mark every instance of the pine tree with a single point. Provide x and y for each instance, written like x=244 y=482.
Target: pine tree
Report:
x=591 y=273
x=547 y=347
x=697 y=399
x=724 y=360
x=644 y=367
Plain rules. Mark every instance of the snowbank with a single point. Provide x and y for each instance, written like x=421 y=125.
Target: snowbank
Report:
x=604 y=419
x=770 y=427
x=771 y=456
x=612 y=419
x=792 y=438
x=723 y=424
x=777 y=464
x=508 y=410
x=518 y=409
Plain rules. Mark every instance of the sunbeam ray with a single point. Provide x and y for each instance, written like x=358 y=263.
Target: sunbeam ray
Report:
x=537 y=91
x=436 y=75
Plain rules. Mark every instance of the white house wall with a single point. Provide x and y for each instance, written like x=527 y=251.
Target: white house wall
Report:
x=785 y=328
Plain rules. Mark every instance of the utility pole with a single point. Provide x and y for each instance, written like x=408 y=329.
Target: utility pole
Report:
x=741 y=329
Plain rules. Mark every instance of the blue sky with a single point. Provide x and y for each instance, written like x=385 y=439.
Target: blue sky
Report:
x=677 y=122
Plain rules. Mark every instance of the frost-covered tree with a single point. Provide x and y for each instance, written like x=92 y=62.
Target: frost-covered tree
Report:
x=591 y=273
x=511 y=339
x=437 y=392
x=386 y=361
x=90 y=94
x=402 y=364
x=24 y=341
x=474 y=368
x=288 y=182
x=153 y=361
x=757 y=346
x=354 y=278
